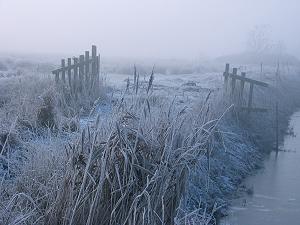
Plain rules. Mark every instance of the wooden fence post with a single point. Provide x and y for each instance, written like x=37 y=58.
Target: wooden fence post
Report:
x=241 y=90
x=242 y=84
x=63 y=65
x=98 y=73
x=81 y=72
x=243 y=80
x=75 y=75
x=226 y=75
x=94 y=67
x=250 y=97
x=87 y=70
x=69 y=73
x=233 y=80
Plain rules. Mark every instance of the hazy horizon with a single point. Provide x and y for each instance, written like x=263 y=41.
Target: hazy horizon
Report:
x=140 y=28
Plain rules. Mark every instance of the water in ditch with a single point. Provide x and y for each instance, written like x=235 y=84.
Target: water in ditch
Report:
x=276 y=188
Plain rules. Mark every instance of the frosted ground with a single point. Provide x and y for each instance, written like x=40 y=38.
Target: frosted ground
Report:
x=177 y=105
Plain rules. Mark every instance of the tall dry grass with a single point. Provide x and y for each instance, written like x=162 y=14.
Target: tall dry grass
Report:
x=134 y=170
x=152 y=160
x=131 y=168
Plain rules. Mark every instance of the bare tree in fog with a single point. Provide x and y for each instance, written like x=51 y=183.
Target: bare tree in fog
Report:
x=259 y=40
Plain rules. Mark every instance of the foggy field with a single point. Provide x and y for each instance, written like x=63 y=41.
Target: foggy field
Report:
x=149 y=112
x=137 y=153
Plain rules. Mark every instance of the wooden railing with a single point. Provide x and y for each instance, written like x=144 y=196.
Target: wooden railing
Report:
x=79 y=74
x=234 y=77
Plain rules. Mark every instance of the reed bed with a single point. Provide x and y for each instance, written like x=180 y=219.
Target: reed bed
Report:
x=151 y=160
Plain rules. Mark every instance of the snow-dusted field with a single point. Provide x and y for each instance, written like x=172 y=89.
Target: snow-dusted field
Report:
x=177 y=133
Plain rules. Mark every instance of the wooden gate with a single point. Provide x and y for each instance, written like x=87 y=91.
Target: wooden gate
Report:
x=79 y=75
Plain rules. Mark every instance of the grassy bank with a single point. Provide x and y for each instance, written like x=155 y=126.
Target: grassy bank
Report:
x=153 y=159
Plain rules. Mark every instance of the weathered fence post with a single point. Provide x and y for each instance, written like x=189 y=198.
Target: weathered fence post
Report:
x=94 y=67
x=87 y=70
x=81 y=72
x=75 y=75
x=69 y=73
x=83 y=75
x=63 y=72
x=226 y=75
x=250 y=97
x=233 y=80
x=241 y=89
x=98 y=73
x=242 y=84
x=243 y=79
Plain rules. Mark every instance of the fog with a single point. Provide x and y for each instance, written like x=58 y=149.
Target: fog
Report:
x=144 y=28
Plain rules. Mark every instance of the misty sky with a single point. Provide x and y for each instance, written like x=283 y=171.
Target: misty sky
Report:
x=144 y=28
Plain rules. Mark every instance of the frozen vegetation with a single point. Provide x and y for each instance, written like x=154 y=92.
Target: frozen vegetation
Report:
x=162 y=146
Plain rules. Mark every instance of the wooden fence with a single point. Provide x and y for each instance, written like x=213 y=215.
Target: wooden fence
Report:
x=233 y=78
x=79 y=75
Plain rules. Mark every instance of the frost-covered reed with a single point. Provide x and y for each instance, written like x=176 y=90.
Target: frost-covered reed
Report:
x=152 y=160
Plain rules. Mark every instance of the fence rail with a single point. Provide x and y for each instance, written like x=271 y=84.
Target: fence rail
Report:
x=243 y=80
x=80 y=75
